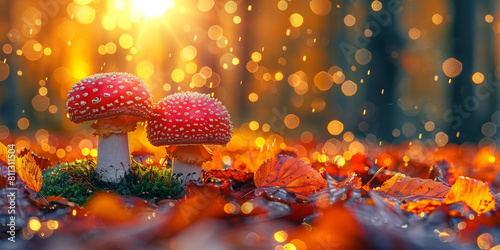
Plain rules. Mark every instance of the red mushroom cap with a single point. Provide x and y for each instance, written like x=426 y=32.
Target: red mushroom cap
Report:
x=106 y=95
x=189 y=118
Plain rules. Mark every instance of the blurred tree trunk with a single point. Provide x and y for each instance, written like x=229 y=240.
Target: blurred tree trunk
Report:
x=384 y=76
x=491 y=78
x=496 y=77
x=9 y=102
x=464 y=105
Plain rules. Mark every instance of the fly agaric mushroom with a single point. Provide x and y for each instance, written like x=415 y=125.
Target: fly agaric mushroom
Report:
x=187 y=121
x=116 y=101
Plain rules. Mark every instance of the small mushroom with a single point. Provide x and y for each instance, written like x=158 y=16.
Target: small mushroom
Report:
x=187 y=121
x=116 y=102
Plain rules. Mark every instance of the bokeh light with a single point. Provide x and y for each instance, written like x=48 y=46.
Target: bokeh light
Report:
x=452 y=67
x=153 y=8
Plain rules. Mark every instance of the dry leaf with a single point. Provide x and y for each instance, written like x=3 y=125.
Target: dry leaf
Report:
x=290 y=174
x=359 y=163
x=366 y=188
x=250 y=160
x=335 y=191
x=337 y=228
x=421 y=206
x=202 y=203
x=475 y=193
x=404 y=187
x=443 y=171
x=247 y=161
x=29 y=171
x=108 y=207
x=4 y=154
x=57 y=199
x=228 y=175
x=289 y=151
x=230 y=181
x=41 y=161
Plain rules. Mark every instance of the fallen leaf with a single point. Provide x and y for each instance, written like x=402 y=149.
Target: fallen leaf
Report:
x=335 y=191
x=42 y=162
x=57 y=199
x=331 y=168
x=225 y=187
x=419 y=206
x=202 y=203
x=336 y=228
x=366 y=188
x=475 y=193
x=247 y=161
x=4 y=154
x=231 y=182
x=378 y=207
x=268 y=210
x=4 y=164
x=359 y=163
x=250 y=160
x=277 y=194
x=411 y=188
x=396 y=159
x=292 y=152
x=108 y=207
x=228 y=175
x=288 y=173
x=29 y=172
x=443 y=171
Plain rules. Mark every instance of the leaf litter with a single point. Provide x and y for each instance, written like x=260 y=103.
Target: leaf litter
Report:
x=283 y=201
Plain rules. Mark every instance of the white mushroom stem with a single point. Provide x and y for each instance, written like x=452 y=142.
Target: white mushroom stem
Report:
x=186 y=171
x=113 y=157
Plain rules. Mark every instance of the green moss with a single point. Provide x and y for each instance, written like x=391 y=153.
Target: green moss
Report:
x=77 y=181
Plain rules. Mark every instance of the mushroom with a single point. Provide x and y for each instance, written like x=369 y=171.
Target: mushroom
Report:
x=187 y=121
x=116 y=101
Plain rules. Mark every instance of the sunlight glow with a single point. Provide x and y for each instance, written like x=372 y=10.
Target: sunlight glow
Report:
x=153 y=8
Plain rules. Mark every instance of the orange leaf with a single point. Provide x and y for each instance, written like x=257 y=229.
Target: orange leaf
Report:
x=228 y=175
x=291 y=174
x=229 y=181
x=202 y=203
x=108 y=207
x=421 y=206
x=4 y=154
x=336 y=228
x=29 y=172
x=42 y=162
x=404 y=187
x=250 y=160
x=58 y=199
x=475 y=193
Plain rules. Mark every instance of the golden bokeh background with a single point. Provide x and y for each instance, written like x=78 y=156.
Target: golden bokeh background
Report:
x=340 y=75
